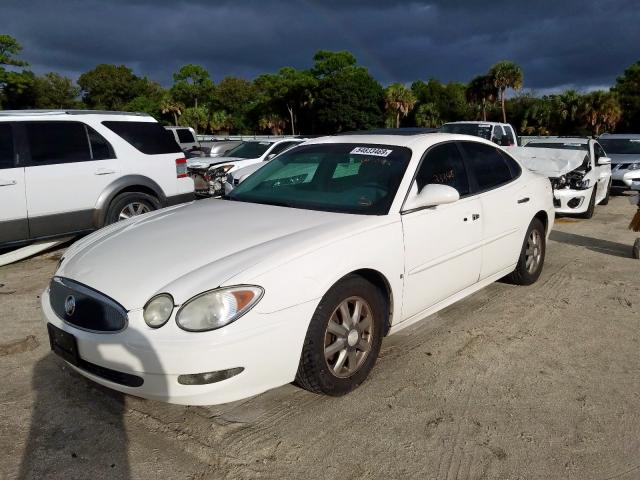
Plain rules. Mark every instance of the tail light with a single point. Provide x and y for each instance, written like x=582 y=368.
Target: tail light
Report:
x=181 y=167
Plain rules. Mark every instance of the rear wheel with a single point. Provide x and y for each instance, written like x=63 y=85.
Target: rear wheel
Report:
x=343 y=339
x=130 y=204
x=532 y=255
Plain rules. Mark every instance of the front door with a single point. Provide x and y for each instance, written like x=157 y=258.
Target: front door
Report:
x=13 y=205
x=443 y=244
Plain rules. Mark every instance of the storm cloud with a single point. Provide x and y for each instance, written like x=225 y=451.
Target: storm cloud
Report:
x=582 y=44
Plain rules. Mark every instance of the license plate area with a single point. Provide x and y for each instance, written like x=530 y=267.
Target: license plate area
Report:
x=63 y=344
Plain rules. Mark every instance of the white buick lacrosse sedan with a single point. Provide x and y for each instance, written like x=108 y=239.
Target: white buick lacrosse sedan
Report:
x=300 y=272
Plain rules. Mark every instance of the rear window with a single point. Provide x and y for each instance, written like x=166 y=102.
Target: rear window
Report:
x=149 y=138
x=6 y=146
x=481 y=130
x=185 y=136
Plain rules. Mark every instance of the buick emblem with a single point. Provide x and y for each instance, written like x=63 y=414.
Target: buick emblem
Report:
x=70 y=305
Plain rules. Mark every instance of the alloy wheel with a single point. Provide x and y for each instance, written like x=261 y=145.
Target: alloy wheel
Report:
x=133 y=209
x=533 y=252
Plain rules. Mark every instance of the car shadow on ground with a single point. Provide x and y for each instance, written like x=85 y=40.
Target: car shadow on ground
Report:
x=594 y=244
x=76 y=426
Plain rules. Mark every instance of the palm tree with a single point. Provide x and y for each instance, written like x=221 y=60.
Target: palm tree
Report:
x=428 y=115
x=601 y=109
x=272 y=122
x=506 y=74
x=480 y=91
x=398 y=100
x=169 y=105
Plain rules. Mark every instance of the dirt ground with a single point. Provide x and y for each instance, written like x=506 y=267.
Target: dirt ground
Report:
x=511 y=383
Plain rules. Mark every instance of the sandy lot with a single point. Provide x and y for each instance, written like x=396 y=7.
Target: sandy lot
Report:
x=511 y=383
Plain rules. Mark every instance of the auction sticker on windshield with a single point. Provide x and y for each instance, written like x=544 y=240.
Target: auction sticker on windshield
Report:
x=376 y=152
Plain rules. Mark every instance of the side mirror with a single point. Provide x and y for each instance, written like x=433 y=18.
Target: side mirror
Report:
x=270 y=156
x=432 y=195
x=604 y=161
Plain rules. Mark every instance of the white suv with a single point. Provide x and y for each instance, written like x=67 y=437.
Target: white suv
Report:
x=70 y=172
x=499 y=133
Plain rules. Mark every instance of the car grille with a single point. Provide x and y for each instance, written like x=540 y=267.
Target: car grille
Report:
x=85 y=308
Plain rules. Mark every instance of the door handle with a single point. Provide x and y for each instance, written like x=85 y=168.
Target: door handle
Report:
x=475 y=216
x=523 y=200
x=6 y=183
x=104 y=171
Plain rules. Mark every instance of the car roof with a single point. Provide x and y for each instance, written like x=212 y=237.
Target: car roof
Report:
x=620 y=136
x=392 y=131
x=423 y=140
x=476 y=122
x=29 y=112
x=580 y=140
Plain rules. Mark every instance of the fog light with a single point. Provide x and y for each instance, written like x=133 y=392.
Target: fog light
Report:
x=574 y=202
x=209 y=377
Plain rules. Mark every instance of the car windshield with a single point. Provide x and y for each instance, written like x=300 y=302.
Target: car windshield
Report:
x=333 y=177
x=621 y=146
x=476 y=129
x=560 y=145
x=249 y=149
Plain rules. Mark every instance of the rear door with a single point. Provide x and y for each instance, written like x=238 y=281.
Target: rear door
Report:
x=504 y=205
x=69 y=166
x=13 y=204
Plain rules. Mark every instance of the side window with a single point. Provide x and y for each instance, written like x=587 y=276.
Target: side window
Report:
x=150 y=138
x=281 y=147
x=511 y=135
x=100 y=148
x=444 y=165
x=487 y=164
x=57 y=142
x=185 y=135
x=6 y=146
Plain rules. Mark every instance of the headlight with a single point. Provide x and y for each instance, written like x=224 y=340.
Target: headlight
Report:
x=217 y=308
x=158 y=310
x=220 y=171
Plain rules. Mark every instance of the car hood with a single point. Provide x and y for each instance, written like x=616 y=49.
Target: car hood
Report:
x=623 y=158
x=206 y=162
x=550 y=162
x=209 y=241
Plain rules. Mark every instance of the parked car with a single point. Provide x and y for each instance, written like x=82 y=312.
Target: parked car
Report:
x=579 y=169
x=309 y=263
x=185 y=137
x=624 y=151
x=221 y=148
x=209 y=176
x=499 y=133
x=69 y=172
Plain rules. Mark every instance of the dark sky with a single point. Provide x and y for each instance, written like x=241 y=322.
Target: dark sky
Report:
x=561 y=43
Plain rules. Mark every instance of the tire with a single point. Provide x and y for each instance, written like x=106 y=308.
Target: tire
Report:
x=605 y=200
x=140 y=203
x=592 y=205
x=523 y=274
x=319 y=370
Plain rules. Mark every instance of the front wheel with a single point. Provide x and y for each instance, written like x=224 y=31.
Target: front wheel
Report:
x=343 y=339
x=592 y=204
x=531 y=258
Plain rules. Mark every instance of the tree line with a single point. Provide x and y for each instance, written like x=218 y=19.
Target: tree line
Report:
x=335 y=94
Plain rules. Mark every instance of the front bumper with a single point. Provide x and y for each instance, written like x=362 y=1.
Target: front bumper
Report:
x=570 y=201
x=627 y=179
x=266 y=346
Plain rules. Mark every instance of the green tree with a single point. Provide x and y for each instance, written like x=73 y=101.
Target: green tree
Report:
x=109 y=87
x=448 y=99
x=52 y=90
x=170 y=106
x=347 y=96
x=16 y=88
x=196 y=118
x=192 y=84
x=289 y=90
x=428 y=115
x=482 y=91
x=628 y=90
x=506 y=74
x=237 y=97
x=398 y=101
